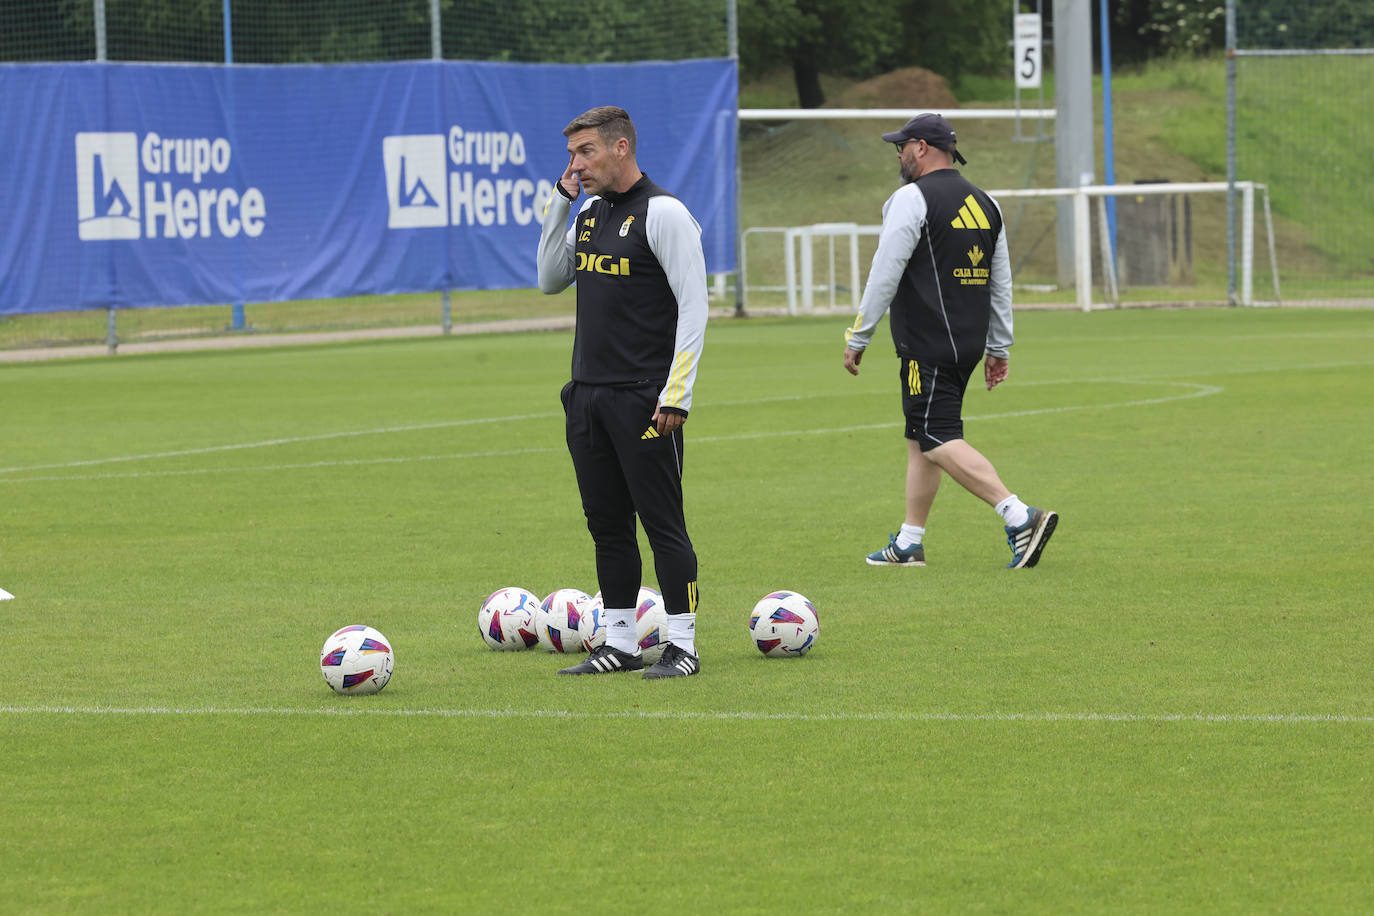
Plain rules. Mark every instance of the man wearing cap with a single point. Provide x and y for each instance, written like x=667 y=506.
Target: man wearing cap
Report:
x=943 y=269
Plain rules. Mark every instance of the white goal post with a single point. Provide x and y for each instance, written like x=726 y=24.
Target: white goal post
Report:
x=798 y=241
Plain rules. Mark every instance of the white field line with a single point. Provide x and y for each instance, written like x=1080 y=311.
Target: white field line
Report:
x=381 y=430
x=375 y=431
x=334 y=463
x=682 y=715
x=1197 y=391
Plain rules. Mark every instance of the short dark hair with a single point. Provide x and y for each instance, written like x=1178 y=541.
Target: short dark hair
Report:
x=610 y=122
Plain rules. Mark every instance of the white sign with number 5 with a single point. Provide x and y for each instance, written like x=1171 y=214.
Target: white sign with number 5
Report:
x=1026 y=28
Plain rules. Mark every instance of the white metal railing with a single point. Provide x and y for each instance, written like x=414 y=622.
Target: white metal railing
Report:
x=898 y=114
x=798 y=241
x=1082 y=229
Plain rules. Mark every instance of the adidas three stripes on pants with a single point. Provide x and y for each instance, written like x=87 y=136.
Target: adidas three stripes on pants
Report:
x=626 y=469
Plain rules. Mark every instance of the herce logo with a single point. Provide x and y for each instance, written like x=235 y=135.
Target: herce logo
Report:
x=107 y=186
x=155 y=187
x=416 y=181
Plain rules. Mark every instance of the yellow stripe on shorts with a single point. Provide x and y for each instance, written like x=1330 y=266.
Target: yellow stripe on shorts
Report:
x=913 y=378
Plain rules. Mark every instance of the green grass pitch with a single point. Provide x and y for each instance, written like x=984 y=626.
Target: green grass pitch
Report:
x=1173 y=712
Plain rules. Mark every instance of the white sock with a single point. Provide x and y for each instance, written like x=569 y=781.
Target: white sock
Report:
x=910 y=534
x=682 y=631
x=1013 y=511
x=620 y=630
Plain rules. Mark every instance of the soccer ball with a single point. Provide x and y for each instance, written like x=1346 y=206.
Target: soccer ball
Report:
x=506 y=620
x=593 y=627
x=784 y=624
x=559 y=620
x=651 y=625
x=357 y=660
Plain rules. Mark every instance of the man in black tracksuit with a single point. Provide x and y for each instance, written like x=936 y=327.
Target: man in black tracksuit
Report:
x=635 y=254
x=943 y=268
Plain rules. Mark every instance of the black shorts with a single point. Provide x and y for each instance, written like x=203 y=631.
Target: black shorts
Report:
x=933 y=401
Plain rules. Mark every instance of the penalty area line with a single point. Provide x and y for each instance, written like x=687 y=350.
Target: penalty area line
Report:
x=744 y=715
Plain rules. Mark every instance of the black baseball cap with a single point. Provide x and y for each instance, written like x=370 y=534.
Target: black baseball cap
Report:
x=931 y=128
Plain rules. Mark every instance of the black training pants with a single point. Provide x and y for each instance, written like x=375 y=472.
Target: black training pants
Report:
x=625 y=468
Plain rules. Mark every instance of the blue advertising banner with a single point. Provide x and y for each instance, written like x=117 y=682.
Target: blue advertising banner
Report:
x=136 y=184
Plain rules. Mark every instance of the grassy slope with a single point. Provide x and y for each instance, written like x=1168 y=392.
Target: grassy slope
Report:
x=1169 y=122
x=1208 y=563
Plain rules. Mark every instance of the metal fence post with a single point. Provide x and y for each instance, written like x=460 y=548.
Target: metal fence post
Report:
x=436 y=31
x=1083 y=250
x=237 y=320
x=99 y=12
x=436 y=51
x=101 y=50
x=732 y=49
x=1231 y=152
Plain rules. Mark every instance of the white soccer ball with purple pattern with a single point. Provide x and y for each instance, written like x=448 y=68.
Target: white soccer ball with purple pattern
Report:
x=357 y=660
x=506 y=620
x=784 y=624
x=651 y=624
x=561 y=618
x=594 y=633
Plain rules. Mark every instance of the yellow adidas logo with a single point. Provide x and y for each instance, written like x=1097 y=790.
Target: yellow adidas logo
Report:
x=971 y=216
x=650 y=433
x=975 y=255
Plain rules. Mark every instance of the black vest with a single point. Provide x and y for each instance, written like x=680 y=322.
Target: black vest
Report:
x=943 y=304
x=626 y=311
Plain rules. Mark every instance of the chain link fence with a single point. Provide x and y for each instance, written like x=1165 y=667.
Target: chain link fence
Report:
x=1299 y=89
x=1300 y=93
x=335 y=31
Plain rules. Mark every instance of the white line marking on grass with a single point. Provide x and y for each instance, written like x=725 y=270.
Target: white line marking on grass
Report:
x=1274 y=369
x=381 y=430
x=747 y=716
x=375 y=431
x=447 y=424
x=1201 y=391
x=335 y=463
x=1198 y=391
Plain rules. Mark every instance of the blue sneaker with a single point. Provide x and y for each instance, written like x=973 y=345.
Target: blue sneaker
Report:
x=1029 y=540
x=915 y=555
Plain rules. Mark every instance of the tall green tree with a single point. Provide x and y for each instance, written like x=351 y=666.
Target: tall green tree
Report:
x=818 y=36
x=862 y=38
